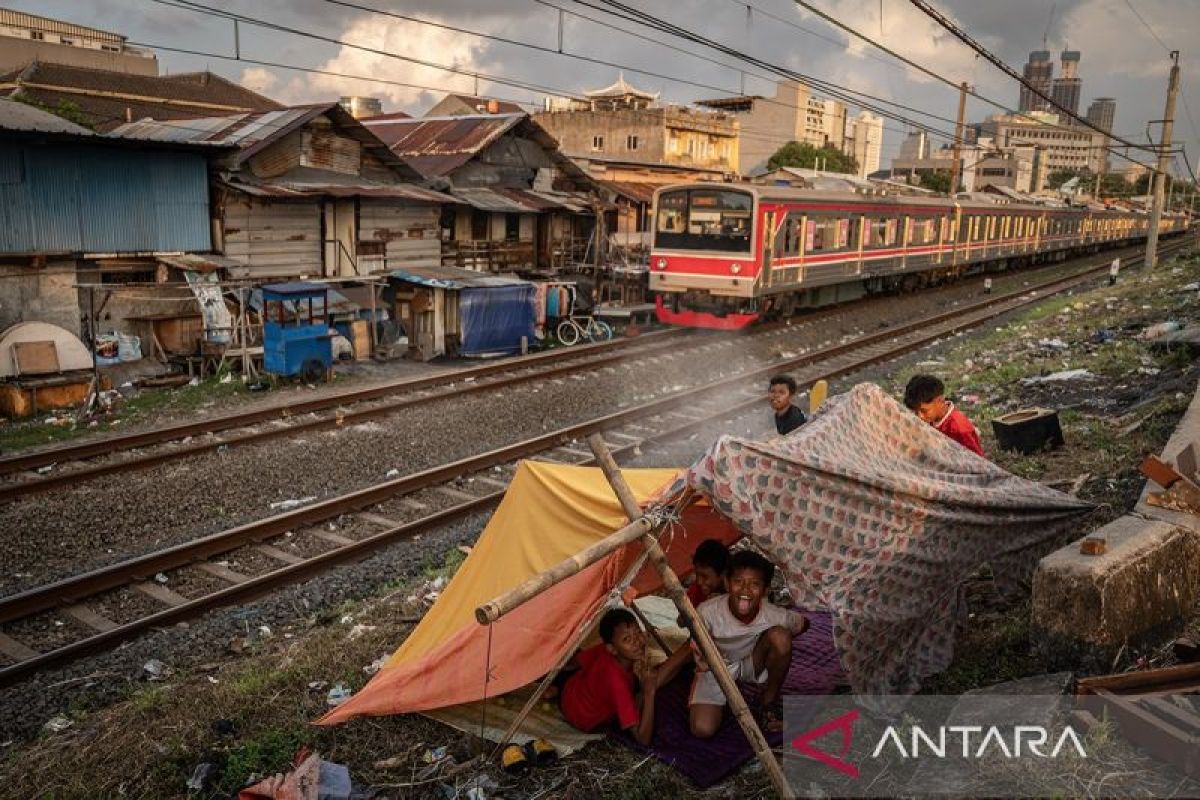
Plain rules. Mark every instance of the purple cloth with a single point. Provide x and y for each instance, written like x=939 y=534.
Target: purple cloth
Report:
x=815 y=669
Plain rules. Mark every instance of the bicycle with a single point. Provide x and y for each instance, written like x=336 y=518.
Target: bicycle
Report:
x=572 y=329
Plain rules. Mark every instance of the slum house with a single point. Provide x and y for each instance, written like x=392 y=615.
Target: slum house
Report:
x=79 y=208
x=524 y=206
x=104 y=99
x=310 y=192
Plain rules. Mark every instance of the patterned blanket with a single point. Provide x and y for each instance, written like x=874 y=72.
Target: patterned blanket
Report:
x=876 y=516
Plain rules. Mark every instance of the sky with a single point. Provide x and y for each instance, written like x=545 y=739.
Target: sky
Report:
x=1122 y=56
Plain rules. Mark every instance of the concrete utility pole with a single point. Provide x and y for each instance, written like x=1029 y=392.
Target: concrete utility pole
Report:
x=1160 y=176
x=955 y=167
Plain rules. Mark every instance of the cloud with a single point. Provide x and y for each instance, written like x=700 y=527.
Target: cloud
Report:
x=258 y=79
x=411 y=40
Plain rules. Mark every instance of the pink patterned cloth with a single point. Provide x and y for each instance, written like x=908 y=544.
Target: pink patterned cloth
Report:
x=880 y=518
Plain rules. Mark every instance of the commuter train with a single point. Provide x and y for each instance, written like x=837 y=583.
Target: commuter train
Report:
x=727 y=255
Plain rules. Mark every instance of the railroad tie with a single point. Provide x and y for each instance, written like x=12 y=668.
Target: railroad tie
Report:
x=270 y=551
x=90 y=618
x=502 y=485
x=16 y=650
x=222 y=572
x=455 y=494
x=377 y=519
x=160 y=593
x=329 y=536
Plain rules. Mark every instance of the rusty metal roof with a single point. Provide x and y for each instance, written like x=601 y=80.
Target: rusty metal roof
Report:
x=306 y=182
x=436 y=146
x=524 y=201
x=632 y=190
x=444 y=277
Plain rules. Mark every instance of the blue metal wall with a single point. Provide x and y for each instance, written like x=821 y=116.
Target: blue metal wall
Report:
x=74 y=198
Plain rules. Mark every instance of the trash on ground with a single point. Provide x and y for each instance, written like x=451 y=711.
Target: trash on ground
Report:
x=203 y=776
x=1057 y=377
x=358 y=630
x=1160 y=329
x=57 y=724
x=375 y=665
x=1053 y=344
x=338 y=695
x=156 y=670
x=284 y=505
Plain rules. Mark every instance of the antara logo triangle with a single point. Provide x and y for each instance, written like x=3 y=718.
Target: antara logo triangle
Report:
x=844 y=724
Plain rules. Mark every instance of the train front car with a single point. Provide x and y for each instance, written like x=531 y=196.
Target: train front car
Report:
x=705 y=256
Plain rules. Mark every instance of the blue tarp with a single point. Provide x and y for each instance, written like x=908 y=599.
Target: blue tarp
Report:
x=493 y=319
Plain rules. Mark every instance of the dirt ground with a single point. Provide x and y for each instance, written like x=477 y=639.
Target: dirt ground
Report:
x=247 y=714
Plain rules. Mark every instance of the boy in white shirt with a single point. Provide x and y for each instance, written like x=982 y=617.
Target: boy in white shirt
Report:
x=755 y=639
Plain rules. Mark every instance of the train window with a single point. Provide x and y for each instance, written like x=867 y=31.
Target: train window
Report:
x=922 y=231
x=787 y=241
x=704 y=219
x=825 y=234
x=881 y=232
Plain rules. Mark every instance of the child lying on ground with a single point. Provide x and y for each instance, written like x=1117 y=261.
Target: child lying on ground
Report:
x=755 y=640
x=605 y=688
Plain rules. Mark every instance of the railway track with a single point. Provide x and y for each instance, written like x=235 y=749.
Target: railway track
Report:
x=48 y=469
x=93 y=611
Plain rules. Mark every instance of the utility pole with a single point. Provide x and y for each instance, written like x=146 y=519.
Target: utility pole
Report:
x=955 y=167
x=1160 y=175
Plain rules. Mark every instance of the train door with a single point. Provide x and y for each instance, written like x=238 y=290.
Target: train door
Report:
x=769 y=236
x=956 y=224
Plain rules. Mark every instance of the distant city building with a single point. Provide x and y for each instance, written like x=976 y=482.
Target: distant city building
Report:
x=1039 y=72
x=26 y=38
x=361 y=107
x=915 y=146
x=825 y=123
x=866 y=142
x=1063 y=148
x=462 y=105
x=1066 y=88
x=765 y=123
x=1102 y=113
x=622 y=123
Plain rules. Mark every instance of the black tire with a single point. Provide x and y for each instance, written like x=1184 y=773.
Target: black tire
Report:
x=313 y=371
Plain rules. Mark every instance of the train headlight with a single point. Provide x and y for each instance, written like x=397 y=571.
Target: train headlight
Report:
x=735 y=268
x=662 y=263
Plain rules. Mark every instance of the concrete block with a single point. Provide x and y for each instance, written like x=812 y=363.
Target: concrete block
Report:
x=1186 y=432
x=1086 y=607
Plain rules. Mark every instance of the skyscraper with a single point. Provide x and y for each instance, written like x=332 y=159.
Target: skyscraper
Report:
x=1039 y=71
x=1102 y=112
x=868 y=142
x=1066 y=88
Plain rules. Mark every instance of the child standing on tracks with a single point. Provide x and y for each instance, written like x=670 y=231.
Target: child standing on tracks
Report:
x=926 y=395
x=780 y=391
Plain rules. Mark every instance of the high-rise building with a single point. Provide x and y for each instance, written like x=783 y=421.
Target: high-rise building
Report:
x=27 y=38
x=867 y=142
x=1102 y=112
x=1065 y=89
x=767 y=123
x=914 y=146
x=1039 y=72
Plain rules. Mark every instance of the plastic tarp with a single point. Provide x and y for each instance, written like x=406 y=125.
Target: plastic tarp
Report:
x=550 y=512
x=494 y=318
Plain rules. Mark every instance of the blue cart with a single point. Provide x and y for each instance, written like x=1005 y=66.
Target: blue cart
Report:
x=296 y=337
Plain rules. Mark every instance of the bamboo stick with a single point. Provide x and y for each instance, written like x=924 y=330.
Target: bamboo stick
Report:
x=708 y=648
x=497 y=607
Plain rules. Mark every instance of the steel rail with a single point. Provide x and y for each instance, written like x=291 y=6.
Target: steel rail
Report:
x=71 y=590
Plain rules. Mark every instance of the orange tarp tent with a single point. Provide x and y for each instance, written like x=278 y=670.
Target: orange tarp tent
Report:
x=549 y=513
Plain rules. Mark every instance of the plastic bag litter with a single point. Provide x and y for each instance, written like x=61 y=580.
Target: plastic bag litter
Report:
x=337 y=695
x=129 y=347
x=1161 y=329
x=1060 y=377
x=284 y=505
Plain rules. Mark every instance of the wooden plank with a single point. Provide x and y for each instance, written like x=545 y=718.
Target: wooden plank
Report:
x=223 y=572
x=279 y=555
x=415 y=505
x=455 y=494
x=160 y=593
x=377 y=519
x=1180 y=678
x=90 y=618
x=16 y=650
x=330 y=536
x=1166 y=708
x=35 y=358
x=625 y=436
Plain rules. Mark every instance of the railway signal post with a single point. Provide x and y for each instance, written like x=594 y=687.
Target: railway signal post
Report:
x=1160 y=174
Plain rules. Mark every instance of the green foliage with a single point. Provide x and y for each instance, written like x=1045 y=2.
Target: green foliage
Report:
x=803 y=154
x=938 y=181
x=269 y=752
x=66 y=109
x=1059 y=177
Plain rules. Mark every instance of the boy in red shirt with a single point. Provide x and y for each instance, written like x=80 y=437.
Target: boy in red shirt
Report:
x=925 y=394
x=605 y=687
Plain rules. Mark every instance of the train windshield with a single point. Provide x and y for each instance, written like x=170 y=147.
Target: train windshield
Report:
x=704 y=219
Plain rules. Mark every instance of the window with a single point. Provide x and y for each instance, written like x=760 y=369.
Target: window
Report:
x=787 y=241
x=512 y=227
x=824 y=234
x=64 y=40
x=704 y=219
x=37 y=36
x=631 y=142
x=597 y=142
x=881 y=232
x=922 y=231
x=112 y=48
x=479 y=225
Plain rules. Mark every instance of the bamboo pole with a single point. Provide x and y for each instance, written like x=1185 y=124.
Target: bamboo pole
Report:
x=496 y=608
x=567 y=654
x=708 y=648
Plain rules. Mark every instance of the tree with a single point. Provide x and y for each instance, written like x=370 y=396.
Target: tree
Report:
x=1060 y=176
x=803 y=154
x=937 y=180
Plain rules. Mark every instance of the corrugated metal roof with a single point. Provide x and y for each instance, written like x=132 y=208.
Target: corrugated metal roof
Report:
x=637 y=192
x=17 y=116
x=453 y=278
x=308 y=182
x=440 y=145
x=524 y=201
